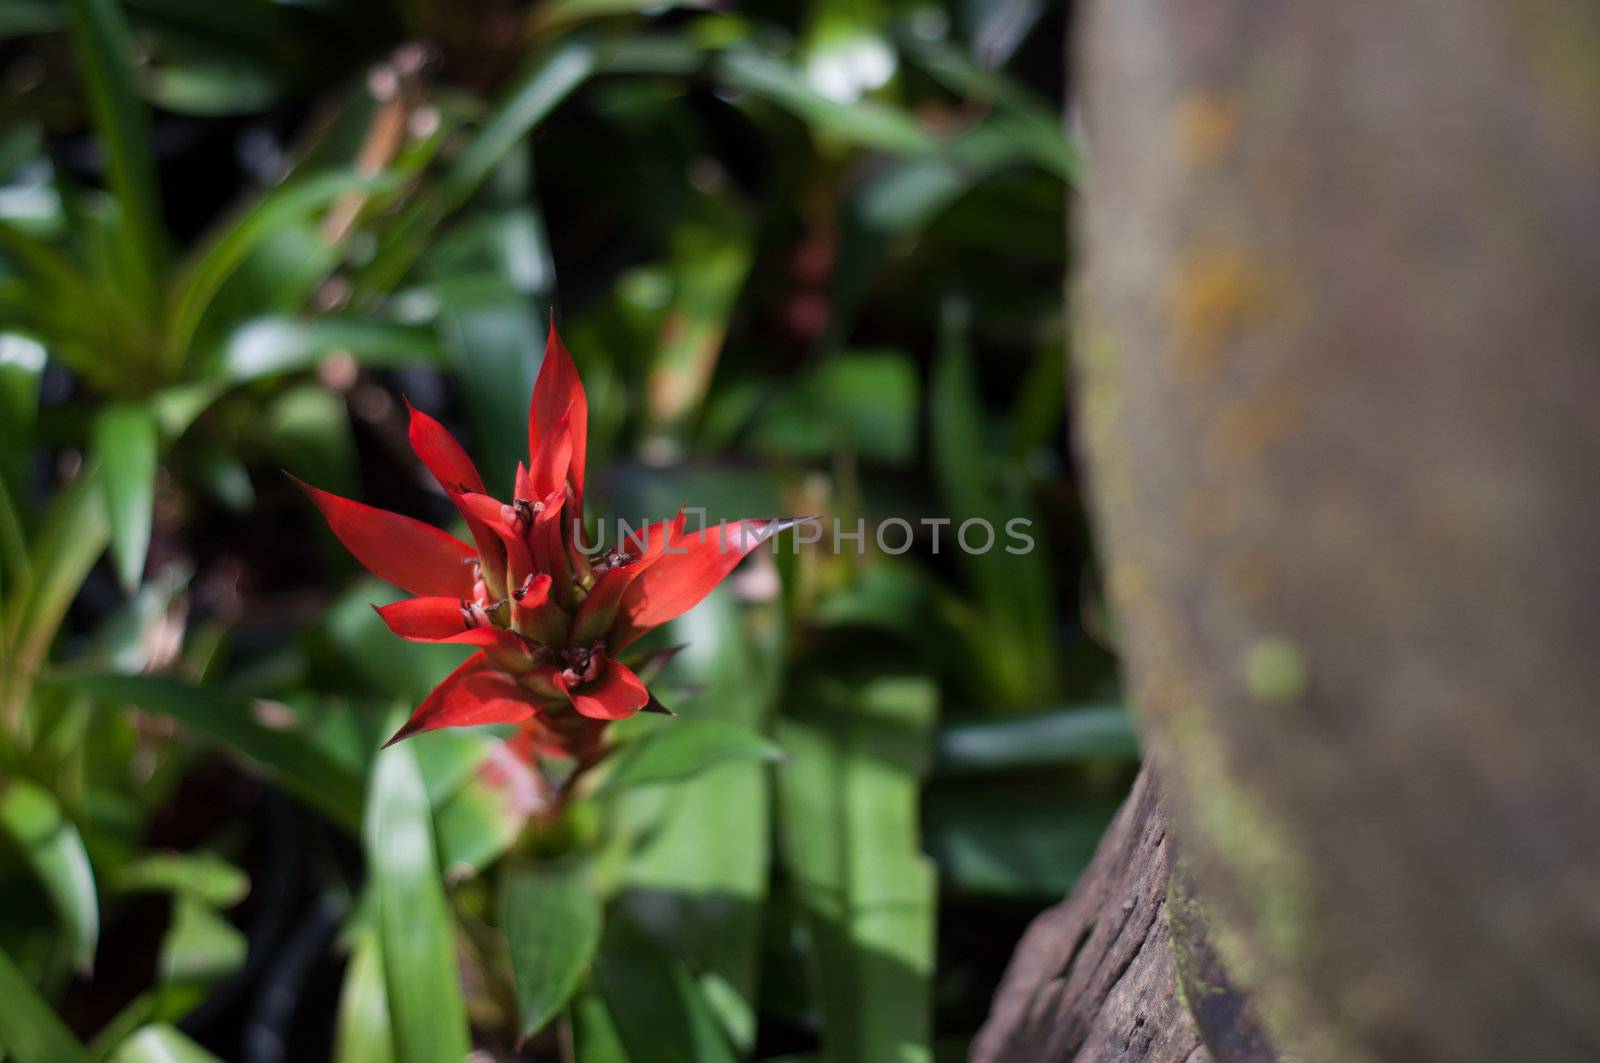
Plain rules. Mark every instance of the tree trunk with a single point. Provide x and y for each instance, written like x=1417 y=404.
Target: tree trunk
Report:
x=1338 y=357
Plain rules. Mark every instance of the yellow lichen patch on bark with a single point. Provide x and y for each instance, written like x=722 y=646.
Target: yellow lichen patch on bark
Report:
x=1216 y=294
x=1208 y=125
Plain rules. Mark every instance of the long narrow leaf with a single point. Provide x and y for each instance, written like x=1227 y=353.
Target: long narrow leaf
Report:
x=125 y=440
x=1059 y=736
x=105 y=52
x=29 y=1029
x=74 y=534
x=415 y=926
x=701 y=879
x=363 y=1031
x=852 y=847
x=53 y=848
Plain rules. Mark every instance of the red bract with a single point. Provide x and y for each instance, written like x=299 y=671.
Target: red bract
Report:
x=551 y=621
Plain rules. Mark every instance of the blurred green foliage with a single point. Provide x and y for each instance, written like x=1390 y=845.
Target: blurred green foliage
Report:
x=808 y=259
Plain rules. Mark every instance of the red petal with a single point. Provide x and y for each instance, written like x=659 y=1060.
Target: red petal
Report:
x=552 y=459
x=614 y=694
x=414 y=556
x=557 y=391
x=441 y=620
x=599 y=609
x=683 y=575
x=443 y=456
x=473 y=694
x=491 y=514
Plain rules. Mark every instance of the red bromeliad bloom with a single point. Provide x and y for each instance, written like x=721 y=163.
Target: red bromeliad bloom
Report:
x=551 y=622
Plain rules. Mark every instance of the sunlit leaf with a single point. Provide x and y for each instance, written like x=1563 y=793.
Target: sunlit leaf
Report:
x=161 y=1044
x=203 y=877
x=269 y=346
x=848 y=804
x=415 y=927
x=699 y=882
x=363 y=1033
x=201 y=946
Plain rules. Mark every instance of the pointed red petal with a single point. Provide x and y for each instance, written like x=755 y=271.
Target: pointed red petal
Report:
x=442 y=620
x=552 y=458
x=614 y=694
x=443 y=456
x=414 y=556
x=684 y=574
x=558 y=389
x=474 y=693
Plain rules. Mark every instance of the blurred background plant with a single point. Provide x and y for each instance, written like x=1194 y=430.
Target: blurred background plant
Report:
x=808 y=258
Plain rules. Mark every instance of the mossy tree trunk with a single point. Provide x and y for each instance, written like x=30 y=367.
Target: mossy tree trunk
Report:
x=1338 y=373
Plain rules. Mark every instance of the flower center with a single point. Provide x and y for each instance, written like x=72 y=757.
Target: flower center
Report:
x=614 y=558
x=582 y=663
x=520 y=513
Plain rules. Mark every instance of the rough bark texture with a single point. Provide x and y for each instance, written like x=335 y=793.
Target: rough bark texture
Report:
x=1094 y=977
x=1339 y=357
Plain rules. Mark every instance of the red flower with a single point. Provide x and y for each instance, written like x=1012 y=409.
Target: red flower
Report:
x=551 y=622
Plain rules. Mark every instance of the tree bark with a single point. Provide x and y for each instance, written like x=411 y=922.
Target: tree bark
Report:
x=1338 y=367
x=1123 y=969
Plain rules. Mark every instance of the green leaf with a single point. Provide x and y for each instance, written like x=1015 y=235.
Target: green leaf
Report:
x=161 y=1044
x=53 y=848
x=1012 y=636
x=204 y=877
x=126 y=440
x=363 y=1027
x=214 y=262
x=865 y=401
x=679 y=749
x=106 y=48
x=594 y=1035
x=290 y=756
x=29 y=1029
x=848 y=821
x=271 y=346
x=415 y=926
x=1014 y=838
x=74 y=534
x=484 y=816
x=531 y=99
x=550 y=914
x=1059 y=736
x=163 y=1004
x=700 y=875
x=658 y=1010
x=488 y=336
x=864 y=122
x=201 y=947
